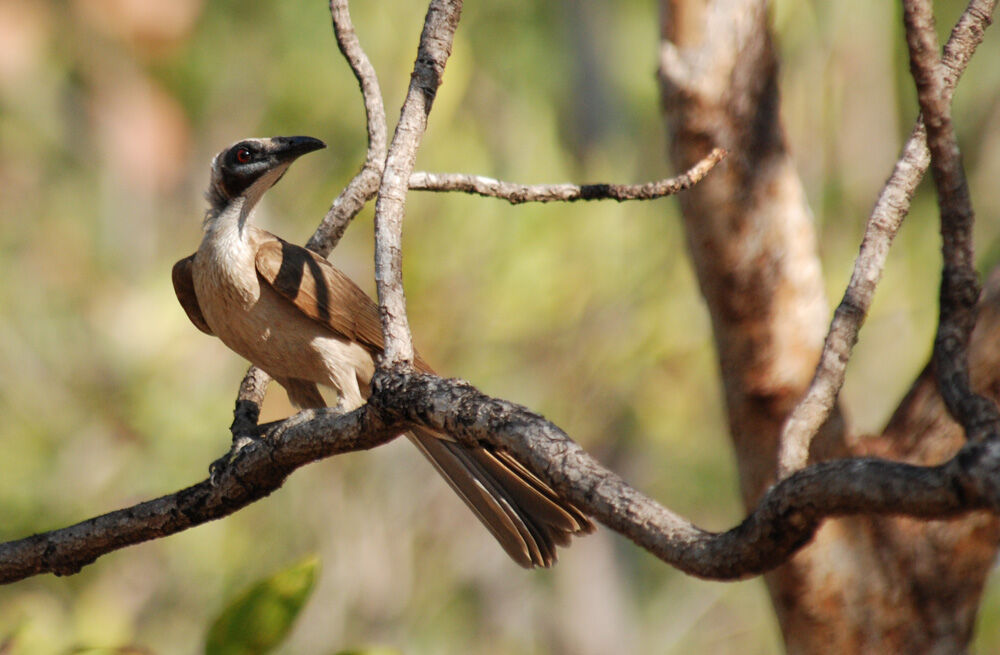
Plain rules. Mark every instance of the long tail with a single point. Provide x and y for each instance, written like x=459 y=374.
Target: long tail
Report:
x=520 y=511
x=526 y=516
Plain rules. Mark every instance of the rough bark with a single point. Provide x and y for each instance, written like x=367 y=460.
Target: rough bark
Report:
x=865 y=584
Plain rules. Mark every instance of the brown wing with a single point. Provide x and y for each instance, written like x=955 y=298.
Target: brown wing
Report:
x=319 y=290
x=184 y=288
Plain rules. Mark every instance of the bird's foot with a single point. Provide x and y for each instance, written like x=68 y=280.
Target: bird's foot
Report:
x=241 y=444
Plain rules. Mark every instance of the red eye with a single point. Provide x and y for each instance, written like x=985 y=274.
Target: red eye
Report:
x=243 y=156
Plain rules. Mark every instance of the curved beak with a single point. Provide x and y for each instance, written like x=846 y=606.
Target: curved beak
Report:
x=287 y=148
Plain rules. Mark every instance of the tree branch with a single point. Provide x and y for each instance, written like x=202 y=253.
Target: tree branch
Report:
x=785 y=519
x=516 y=194
x=960 y=289
x=890 y=209
x=258 y=470
x=432 y=55
x=364 y=185
x=362 y=188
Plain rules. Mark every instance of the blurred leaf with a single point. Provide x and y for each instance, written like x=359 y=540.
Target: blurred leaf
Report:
x=258 y=620
x=374 y=650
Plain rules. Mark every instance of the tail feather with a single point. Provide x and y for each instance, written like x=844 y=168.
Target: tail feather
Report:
x=568 y=517
x=526 y=516
x=500 y=521
x=535 y=537
x=522 y=513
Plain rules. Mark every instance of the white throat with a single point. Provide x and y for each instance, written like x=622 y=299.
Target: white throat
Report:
x=235 y=217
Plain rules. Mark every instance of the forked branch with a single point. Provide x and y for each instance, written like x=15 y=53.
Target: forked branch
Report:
x=886 y=218
x=347 y=204
x=960 y=289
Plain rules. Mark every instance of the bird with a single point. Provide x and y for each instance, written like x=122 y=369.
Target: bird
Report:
x=291 y=313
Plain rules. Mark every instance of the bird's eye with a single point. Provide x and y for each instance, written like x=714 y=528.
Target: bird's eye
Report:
x=243 y=156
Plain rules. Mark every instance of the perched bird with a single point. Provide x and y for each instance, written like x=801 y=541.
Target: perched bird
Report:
x=294 y=315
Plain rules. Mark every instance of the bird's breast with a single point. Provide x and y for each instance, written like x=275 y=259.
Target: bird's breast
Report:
x=256 y=322
x=228 y=290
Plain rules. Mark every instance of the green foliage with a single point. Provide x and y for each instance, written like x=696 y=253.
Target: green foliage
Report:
x=259 y=619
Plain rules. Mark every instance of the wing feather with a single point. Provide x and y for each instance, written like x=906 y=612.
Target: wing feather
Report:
x=319 y=290
x=184 y=288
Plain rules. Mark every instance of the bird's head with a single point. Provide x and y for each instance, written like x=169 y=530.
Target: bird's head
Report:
x=250 y=167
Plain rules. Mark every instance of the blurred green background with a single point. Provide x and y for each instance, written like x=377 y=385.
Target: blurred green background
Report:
x=110 y=111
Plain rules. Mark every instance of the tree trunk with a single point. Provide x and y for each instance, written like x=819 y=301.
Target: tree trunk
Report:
x=864 y=584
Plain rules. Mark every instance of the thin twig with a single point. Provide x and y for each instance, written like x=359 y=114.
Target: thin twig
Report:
x=516 y=194
x=432 y=55
x=890 y=209
x=365 y=184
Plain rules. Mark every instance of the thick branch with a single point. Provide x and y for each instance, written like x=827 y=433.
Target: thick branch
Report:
x=890 y=209
x=784 y=521
x=432 y=55
x=959 y=282
x=256 y=472
x=516 y=194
